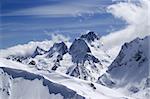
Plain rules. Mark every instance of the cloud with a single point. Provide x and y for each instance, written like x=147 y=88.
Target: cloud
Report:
x=29 y=48
x=26 y=49
x=135 y=15
x=65 y=9
x=57 y=37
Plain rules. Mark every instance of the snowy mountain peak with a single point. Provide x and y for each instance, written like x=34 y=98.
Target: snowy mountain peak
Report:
x=60 y=48
x=38 y=51
x=130 y=68
x=86 y=66
x=90 y=36
x=135 y=51
x=78 y=50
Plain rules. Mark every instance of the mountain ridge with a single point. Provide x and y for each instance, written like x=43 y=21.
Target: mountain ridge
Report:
x=130 y=69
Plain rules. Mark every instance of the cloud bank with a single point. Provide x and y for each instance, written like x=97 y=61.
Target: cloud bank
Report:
x=29 y=48
x=137 y=17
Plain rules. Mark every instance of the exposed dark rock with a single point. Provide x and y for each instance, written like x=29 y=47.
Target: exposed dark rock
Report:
x=38 y=51
x=60 y=48
x=90 y=36
x=79 y=50
x=32 y=62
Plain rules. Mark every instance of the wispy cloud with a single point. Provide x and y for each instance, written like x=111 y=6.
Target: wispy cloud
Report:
x=70 y=8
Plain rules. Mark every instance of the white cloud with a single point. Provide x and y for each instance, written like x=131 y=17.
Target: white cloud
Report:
x=28 y=49
x=57 y=37
x=137 y=17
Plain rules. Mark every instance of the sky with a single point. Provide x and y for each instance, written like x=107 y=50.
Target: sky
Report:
x=35 y=20
x=28 y=24
x=116 y=21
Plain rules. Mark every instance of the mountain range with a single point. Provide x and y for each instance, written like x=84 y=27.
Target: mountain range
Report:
x=83 y=63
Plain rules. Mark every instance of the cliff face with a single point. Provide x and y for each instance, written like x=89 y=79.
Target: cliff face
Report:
x=130 y=68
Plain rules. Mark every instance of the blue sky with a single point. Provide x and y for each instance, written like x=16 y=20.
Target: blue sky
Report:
x=34 y=20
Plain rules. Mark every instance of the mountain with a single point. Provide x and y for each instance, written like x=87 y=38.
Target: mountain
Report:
x=50 y=59
x=86 y=66
x=56 y=52
x=130 y=69
x=97 y=48
x=38 y=51
x=78 y=50
x=84 y=58
x=19 y=81
x=53 y=71
x=90 y=36
x=59 y=48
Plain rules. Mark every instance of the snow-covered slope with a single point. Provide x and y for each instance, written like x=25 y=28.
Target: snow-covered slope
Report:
x=18 y=84
x=18 y=81
x=130 y=69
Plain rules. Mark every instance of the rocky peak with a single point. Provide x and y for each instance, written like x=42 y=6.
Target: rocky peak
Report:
x=90 y=36
x=38 y=51
x=59 y=48
x=130 y=66
x=78 y=50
